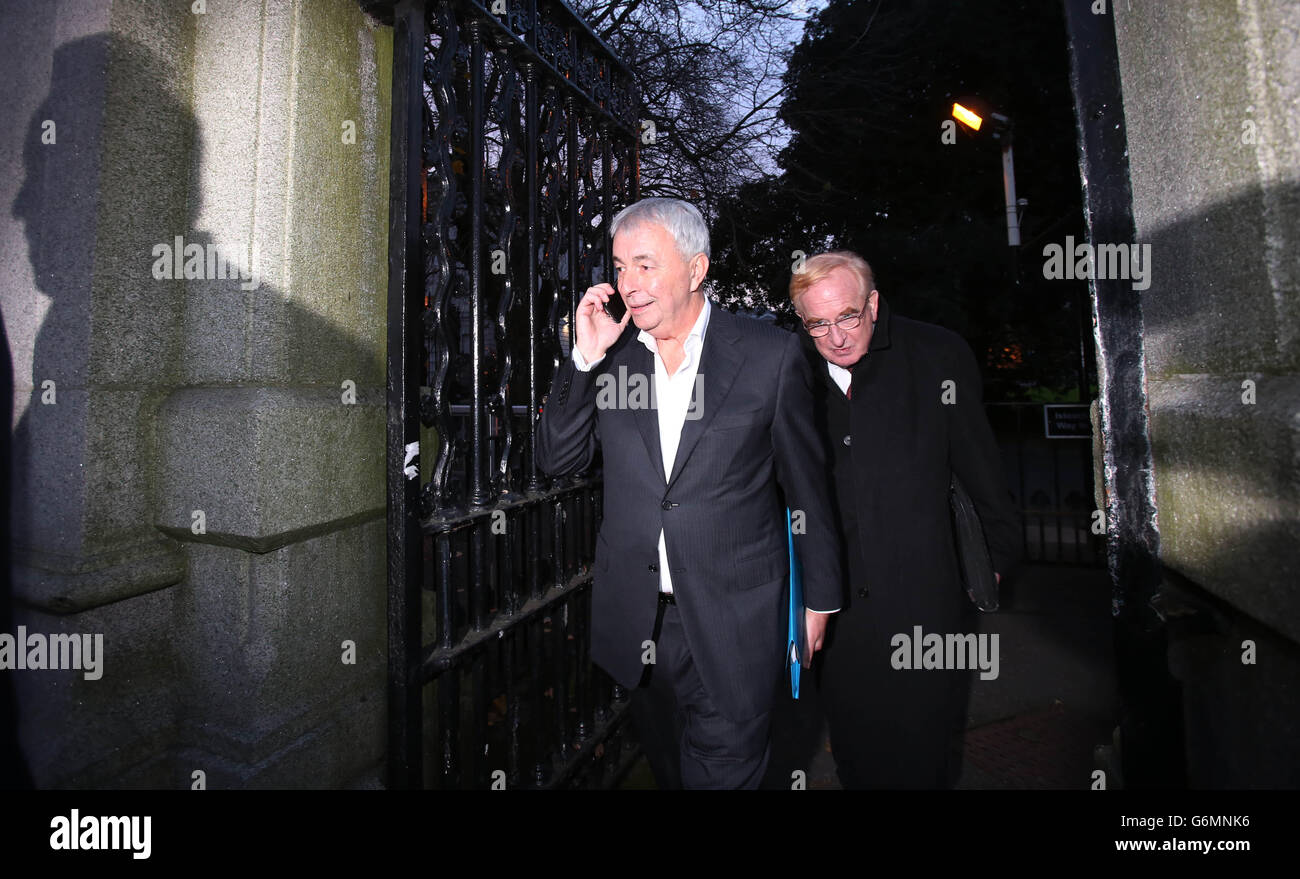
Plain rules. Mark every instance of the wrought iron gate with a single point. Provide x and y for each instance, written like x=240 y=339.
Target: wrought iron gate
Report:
x=1053 y=484
x=514 y=139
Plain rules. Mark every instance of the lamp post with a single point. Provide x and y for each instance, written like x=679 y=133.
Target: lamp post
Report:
x=1001 y=129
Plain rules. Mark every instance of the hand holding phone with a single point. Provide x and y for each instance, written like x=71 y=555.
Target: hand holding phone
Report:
x=596 y=326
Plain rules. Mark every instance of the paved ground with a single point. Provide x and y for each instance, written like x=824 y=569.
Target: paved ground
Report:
x=1035 y=726
x=1054 y=701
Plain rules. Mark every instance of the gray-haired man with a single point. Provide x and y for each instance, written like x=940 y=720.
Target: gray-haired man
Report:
x=692 y=551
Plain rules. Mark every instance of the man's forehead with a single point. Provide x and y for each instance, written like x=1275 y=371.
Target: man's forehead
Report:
x=838 y=290
x=643 y=253
x=652 y=239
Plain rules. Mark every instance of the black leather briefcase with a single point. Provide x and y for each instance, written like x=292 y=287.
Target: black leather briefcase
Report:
x=973 y=559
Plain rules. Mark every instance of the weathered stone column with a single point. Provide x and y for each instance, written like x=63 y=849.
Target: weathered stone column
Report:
x=1212 y=107
x=198 y=263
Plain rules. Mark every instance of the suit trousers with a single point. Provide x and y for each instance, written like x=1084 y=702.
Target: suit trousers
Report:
x=688 y=742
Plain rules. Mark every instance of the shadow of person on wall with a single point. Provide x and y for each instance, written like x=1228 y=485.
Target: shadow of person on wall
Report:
x=86 y=480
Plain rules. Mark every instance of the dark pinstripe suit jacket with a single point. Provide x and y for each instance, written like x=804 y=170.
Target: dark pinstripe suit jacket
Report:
x=753 y=451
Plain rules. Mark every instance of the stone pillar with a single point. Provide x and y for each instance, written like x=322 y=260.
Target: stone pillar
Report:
x=1212 y=107
x=198 y=262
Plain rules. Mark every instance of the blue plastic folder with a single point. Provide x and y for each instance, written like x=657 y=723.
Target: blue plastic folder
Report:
x=797 y=647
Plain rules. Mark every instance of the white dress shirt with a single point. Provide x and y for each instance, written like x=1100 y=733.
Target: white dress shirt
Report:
x=840 y=376
x=672 y=398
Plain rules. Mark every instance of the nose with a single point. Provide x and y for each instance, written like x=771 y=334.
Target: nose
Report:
x=837 y=336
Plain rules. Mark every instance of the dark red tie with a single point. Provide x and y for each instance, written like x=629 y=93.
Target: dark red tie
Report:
x=848 y=394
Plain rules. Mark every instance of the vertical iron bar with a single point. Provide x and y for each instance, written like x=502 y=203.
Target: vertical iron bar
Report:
x=601 y=697
x=477 y=163
x=484 y=762
x=560 y=681
x=536 y=585
x=446 y=598
x=537 y=701
x=572 y=521
x=531 y=136
x=512 y=706
x=604 y=695
x=428 y=592
x=558 y=668
x=479 y=583
x=557 y=542
x=1042 y=521
x=1020 y=467
x=575 y=242
x=405 y=300
x=1057 y=503
x=449 y=729
x=507 y=546
x=581 y=675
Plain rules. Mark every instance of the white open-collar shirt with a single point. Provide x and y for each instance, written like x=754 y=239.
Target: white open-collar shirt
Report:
x=672 y=395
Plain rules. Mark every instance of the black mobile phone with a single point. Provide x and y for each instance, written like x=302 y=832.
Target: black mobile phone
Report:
x=616 y=307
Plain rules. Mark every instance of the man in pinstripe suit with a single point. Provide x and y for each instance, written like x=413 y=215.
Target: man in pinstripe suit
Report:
x=689 y=590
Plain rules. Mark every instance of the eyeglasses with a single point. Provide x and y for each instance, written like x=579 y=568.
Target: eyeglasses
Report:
x=847 y=322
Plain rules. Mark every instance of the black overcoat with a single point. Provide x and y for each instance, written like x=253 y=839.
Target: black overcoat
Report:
x=915 y=417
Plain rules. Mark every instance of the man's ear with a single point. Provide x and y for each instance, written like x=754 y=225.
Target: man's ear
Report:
x=873 y=303
x=699 y=268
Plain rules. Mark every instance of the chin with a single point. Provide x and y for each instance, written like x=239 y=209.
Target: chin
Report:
x=645 y=321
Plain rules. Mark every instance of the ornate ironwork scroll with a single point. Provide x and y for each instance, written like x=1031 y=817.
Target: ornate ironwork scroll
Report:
x=528 y=139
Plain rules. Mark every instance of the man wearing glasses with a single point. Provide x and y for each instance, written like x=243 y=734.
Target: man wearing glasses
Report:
x=899 y=404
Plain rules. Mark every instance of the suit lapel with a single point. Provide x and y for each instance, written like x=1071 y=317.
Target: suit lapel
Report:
x=719 y=365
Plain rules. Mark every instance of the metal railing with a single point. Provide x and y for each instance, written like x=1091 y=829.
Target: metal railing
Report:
x=1053 y=484
x=514 y=141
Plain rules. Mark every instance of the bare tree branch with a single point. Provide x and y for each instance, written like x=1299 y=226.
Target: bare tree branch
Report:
x=710 y=74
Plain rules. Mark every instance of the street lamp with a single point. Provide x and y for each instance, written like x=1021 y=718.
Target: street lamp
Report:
x=1000 y=126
